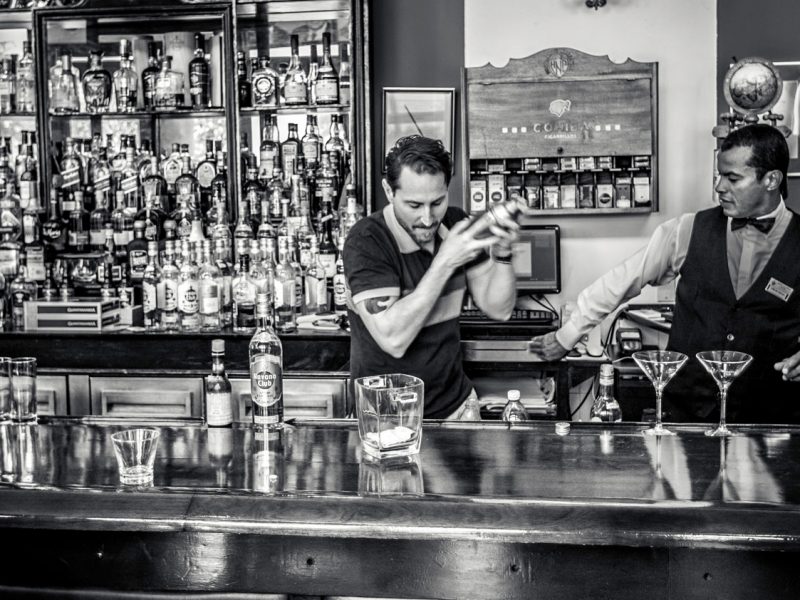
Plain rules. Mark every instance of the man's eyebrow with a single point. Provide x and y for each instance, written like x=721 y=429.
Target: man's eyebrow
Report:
x=442 y=197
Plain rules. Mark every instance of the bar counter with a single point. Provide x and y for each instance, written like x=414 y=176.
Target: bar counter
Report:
x=486 y=510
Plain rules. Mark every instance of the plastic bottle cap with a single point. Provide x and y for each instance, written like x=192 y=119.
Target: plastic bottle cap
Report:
x=218 y=345
x=607 y=370
x=562 y=428
x=513 y=395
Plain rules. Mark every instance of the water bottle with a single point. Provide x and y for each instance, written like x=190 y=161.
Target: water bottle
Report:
x=605 y=407
x=472 y=411
x=514 y=410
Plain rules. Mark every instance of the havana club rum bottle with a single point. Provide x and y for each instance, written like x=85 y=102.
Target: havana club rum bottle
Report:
x=266 y=370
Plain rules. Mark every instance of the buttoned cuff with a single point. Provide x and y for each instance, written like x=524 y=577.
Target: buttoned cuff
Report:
x=568 y=335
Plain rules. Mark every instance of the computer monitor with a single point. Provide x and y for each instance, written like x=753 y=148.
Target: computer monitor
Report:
x=537 y=259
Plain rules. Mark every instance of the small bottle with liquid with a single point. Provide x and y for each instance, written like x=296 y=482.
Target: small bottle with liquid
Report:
x=605 y=407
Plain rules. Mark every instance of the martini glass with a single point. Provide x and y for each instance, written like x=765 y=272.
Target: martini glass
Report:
x=724 y=366
x=659 y=366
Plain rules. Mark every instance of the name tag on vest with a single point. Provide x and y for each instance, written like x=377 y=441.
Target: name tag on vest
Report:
x=778 y=289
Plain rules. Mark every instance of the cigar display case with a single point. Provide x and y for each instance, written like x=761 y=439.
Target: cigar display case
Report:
x=565 y=132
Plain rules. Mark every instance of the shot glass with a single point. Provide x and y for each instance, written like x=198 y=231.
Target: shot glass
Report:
x=136 y=452
x=5 y=388
x=23 y=389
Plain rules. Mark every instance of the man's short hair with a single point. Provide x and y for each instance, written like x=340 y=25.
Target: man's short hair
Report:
x=770 y=152
x=421 y=155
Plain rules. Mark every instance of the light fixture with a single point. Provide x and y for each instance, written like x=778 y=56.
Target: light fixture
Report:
x=595 y=4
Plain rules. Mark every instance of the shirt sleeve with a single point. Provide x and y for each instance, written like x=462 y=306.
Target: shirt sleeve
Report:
x=370 y=271
x=659 y=262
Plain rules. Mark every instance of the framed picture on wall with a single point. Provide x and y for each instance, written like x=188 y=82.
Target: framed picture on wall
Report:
x=788 y=105
x=424 y=111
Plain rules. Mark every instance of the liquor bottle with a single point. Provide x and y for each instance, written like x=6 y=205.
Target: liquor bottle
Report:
x=188 y=291
x=97 y=223
x=210 y=285
x=311 y=143
x=514 y=410
x=154 y=53
x=8 y=87
x=255 y=193
x=269 y=151
x=137 y=252
x=291 y=151
x=169 y=93
x=184 y=216
x=284 y=291
x=99 y=174
x=172 y=168
x=72 y=168
x=21 y=290
x=64 y=87
x=316 y=283
x=78 y=226
x=153 y=218
x=123 y=222
x=29 y=182
x=243 y=291
x=126 y=81
x=265 y=84
x=32 y=240
x=327 y=88
x=340 y=284
x=26 y=80
x=205 y=173
x=168 y=291
x=336 y=141
x=243 y=85
x=96 y=84
x=219 y=185
x=221 y=260
x=259 y=273
x=54 y=231
x=246 y=157
x=49 y=289
x=219 y=407
x=313 y=73
x=109 y=271
x=199 y=75
x=295 y=90
x=344 y=74
x=265 y=228
x=266 y=370
x=242 y=232
x=128 y=177
x=605 y=407
x=151 y=286
x=327 y=246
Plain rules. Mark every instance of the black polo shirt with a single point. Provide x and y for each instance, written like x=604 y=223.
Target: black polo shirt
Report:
x=382 y=259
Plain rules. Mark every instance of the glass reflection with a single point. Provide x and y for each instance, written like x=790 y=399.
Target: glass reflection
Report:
x=268 y=461
x=393 y=476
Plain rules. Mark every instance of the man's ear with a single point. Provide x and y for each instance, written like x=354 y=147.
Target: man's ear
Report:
x=387 y=189
x=773 y=179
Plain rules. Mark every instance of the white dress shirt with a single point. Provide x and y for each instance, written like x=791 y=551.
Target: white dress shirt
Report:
x=660 y=262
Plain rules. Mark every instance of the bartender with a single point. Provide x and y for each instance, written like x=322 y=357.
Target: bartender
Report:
x=407 y=268
x=739 y=288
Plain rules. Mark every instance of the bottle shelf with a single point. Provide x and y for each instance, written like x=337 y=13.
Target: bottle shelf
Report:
x=19 y=115
x=145 y=114
x=534 y=213
x=295 y=110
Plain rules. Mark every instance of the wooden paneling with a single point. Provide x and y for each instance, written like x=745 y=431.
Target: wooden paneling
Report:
x=147 y=396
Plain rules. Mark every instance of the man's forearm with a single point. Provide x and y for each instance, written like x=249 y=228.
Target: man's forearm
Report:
x=495 y=292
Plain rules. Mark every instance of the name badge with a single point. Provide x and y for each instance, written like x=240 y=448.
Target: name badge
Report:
x=778 y=289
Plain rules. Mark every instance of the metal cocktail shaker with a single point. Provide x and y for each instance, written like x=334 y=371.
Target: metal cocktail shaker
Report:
x=495 y=213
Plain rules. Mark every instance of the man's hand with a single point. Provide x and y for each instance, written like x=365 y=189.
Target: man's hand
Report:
x=547 y=347
x=461 y=246
x=790 y=367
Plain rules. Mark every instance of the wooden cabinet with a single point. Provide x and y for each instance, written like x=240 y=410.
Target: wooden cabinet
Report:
x=302 y=397
x=147 y=396
x=51 y=395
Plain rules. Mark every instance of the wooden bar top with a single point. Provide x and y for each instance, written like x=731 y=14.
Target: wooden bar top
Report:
x=524 y=483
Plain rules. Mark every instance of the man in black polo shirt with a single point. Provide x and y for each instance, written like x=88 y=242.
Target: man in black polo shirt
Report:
x=407 y=268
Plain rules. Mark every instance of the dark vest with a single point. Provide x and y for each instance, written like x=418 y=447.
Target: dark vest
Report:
x=709 y=317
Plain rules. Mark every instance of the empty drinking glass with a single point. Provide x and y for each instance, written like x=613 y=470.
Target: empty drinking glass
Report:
x=23 y=389
x=389 y=409
x=724 y=366
x=136 y=452
x=5 y=387
x=659 y=366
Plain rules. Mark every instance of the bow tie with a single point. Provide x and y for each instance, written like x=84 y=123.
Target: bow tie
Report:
x=763 y=225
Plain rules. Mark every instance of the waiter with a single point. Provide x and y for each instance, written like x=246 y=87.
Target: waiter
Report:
x=407 y=268
x=739 y=288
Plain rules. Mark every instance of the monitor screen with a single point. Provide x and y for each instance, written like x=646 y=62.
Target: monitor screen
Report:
x=537 y=259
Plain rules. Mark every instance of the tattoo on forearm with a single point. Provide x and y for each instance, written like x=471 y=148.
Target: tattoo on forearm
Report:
x=377 y=305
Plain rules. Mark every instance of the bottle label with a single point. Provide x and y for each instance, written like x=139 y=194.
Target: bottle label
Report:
x=24 y=195
x=170 y=301
x=97 y=237
x=226 y=290
x=219 y=411
x=172 y=170
x=71 y=178
x=266 y=380
x=295 y=92
x=151 y=232
x=187 y=297
x=329 y=262
x=138 y=262
x=36 y=269
x=149 y=297
x=327 y=90
x=78 y=238
x=129 y=184
x=311 y=152
x=339 y=291
x=263 y=90
x=205 y=174
x=209 y=298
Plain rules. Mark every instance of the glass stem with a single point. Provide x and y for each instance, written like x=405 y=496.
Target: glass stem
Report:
x=723 y=391
x=658 y=408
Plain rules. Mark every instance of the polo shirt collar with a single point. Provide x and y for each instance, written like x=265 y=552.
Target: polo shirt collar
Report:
x=404 y=240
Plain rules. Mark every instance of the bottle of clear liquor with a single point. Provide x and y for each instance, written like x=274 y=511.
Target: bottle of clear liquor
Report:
x=188 y=290
x=151 y=285
x=243 y=291
x=26 y=80
x=243 y=232
x=269 y=151
x=313 y=74
x=8 y=86
x=259 y=274
x=295 y=90
x=219 y=407
x=199 y=75
x=316 y=283
x=266 y=370
x=345 y=71
x=222 y=261
x=96 y=84
x=210 y=284
x=64 y=97
x=265 y=84
x=126 y=81
x=605 y=407
x=154 y=54
x=284 y=290
x=514 y=409
x=168 y=291
x=327 y=89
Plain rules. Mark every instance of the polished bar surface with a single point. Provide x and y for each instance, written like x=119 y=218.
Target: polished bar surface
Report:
x=485 y=511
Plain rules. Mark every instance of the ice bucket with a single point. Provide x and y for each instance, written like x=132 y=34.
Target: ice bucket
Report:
x=389 y=409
